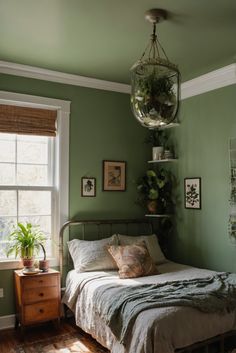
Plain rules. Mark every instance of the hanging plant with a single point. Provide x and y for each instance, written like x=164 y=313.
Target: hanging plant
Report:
x=155 y=96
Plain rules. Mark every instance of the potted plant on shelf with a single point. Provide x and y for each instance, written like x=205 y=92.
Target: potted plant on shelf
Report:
x=25 y=241
x=154 y=190
x=157 y=139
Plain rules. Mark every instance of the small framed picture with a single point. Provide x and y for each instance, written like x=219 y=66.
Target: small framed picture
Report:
x=192 y=193
x=88 y=187
x=114 y=176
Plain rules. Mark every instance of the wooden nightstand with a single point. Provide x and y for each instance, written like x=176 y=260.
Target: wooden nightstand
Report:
x=37 y=297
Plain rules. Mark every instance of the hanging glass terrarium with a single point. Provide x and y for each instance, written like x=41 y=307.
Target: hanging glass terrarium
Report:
x=155 y=82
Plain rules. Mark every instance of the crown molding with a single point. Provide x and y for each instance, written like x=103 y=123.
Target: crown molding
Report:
x=61 y=77
x=222 y=77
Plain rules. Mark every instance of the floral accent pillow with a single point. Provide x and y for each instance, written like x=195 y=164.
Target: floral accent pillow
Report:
x=151 y=242
x=133 y=260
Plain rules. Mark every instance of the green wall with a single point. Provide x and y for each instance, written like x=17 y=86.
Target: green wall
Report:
x=202 y=140
x=101 y=127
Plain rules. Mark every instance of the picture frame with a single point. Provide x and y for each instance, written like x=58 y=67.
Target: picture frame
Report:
x=88 y=187
x=192 y=193
x=114 y=175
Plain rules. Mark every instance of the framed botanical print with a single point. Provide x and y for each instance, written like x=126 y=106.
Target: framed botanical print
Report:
x=88 y=187
x=114 y=175
x=192 y=193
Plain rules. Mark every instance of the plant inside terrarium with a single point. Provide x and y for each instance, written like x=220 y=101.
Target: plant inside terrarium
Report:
x=155 y=95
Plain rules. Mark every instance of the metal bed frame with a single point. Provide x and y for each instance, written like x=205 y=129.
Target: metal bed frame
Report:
x=204 y=346
x=99 y=223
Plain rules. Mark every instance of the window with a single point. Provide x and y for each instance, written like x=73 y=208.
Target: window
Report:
x=27 y=188
x=32 y=171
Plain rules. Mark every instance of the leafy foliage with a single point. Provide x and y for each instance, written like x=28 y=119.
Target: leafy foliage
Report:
x=156 y=186
x=156 y=137
x=192 y=196
x=155 y=95
x=25 y=240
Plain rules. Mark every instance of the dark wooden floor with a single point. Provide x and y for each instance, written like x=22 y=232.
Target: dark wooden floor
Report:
x=10 y=339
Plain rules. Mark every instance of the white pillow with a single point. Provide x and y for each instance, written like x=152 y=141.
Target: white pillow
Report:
x=151 y=242
x=92 y=255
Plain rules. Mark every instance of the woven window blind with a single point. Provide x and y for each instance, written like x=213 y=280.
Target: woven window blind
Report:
x=27 y=121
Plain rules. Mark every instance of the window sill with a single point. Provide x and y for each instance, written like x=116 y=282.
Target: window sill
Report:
x=16 y=264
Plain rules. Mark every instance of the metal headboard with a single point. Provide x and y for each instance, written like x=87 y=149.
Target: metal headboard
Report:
x=98 y=224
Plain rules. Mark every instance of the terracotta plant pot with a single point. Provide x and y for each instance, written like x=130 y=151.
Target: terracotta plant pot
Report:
x=44 y=265
x=28 y=262
x=152 y=206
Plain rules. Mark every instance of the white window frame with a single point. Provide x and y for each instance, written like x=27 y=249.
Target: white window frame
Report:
x=61 y=155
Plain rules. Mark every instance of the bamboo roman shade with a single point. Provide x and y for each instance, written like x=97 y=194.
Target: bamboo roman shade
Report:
x=28 y=121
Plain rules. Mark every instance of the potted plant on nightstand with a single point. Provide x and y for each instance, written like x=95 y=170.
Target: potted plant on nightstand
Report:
x=25 y=241
x=154 y=190
x=43 y=264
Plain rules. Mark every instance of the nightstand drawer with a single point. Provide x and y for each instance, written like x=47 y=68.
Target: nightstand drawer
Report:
x=39 y=294
x=38 y=297
x=40 y=281
x=42 y=311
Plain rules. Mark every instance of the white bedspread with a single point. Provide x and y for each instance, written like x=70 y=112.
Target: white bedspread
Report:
x=160 y=330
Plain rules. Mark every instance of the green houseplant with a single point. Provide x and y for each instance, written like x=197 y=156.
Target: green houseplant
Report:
x=156 y=138
x=26 y=241
x=154 y=190
x=155 y=95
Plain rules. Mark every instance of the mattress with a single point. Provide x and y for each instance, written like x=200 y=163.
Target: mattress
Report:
x=159 y=330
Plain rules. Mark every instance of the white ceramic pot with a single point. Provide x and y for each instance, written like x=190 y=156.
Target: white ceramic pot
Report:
x=157 y=153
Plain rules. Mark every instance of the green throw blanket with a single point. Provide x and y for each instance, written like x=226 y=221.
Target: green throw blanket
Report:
x=119 y=306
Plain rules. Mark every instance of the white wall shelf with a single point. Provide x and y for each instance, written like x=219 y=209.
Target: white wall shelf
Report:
x=158 y=215
x=168 y=126
x=163 y=160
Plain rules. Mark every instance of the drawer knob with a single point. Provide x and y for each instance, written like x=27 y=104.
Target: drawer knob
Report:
x=41 y=311
x=41 y=281
x=41 y=294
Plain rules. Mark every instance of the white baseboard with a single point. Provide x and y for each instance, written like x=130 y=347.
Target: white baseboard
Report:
x=7 y=321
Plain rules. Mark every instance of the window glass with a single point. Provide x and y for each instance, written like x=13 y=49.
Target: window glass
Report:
x=7 y=174
x=32 y=149
x=29 y=174
x=8 y=203
x=33 y=203
x=26 y=163
x=7 y=148
x=43 y=221
x=6 y=224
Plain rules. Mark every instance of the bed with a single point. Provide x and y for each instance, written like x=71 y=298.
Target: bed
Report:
x=164 y=329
